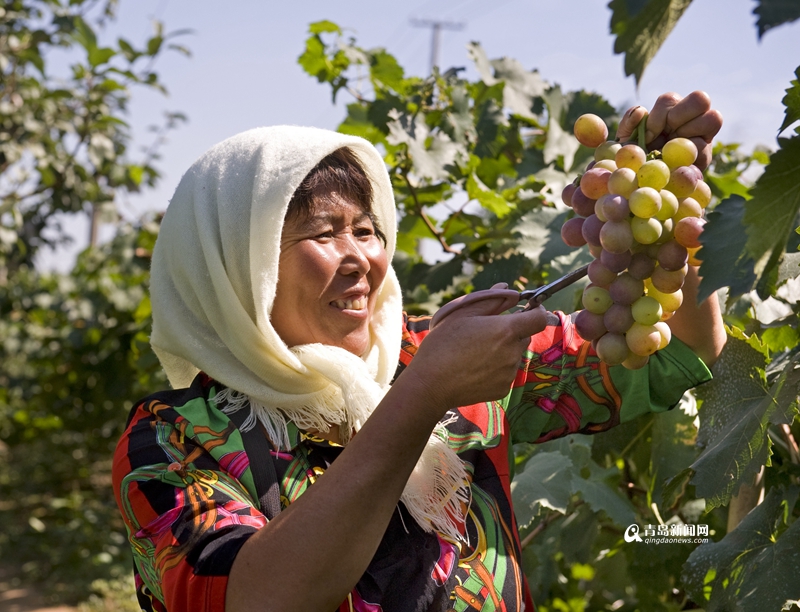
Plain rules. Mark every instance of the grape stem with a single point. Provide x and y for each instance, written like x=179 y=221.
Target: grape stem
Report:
x=641 y=131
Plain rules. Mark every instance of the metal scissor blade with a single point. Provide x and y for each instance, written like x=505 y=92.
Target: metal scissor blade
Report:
x=540 y=294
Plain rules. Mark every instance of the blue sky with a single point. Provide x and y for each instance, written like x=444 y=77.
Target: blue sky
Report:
x=244 y=73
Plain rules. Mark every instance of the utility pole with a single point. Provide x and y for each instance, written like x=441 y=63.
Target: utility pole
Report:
x=436 y=34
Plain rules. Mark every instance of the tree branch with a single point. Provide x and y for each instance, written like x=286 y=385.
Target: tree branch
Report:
x=428 y=223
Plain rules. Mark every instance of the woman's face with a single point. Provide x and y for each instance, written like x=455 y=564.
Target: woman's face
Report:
x=331 y=266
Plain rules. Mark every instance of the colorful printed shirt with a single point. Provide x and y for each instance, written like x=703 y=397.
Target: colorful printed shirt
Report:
x=184 y=485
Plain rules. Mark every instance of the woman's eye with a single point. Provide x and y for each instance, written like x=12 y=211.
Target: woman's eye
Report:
x=364 y=231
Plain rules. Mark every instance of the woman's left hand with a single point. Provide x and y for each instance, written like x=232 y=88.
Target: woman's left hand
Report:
x=672 y=116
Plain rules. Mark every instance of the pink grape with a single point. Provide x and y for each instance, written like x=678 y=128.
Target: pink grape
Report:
x=591 y=229
x=615 y=207
x=688 y=230
x=672 y=256
x=594 y=182
x=641 y=266
x=630 y=156
x=612 y=348
x=590 y=130
x=617 y=262
x=626 y=289
x=682 y=181
x=581 y=204
x=590 y=325
x=571 y=232
x=566 y=193
x=616 y=236
x=668 y=281
x=600 y=275
x=618 y=318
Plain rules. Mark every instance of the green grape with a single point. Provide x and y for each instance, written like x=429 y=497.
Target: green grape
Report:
x=679 y=152
x=606 y=164
x=646 y=310
x=666 y=333
x=653 y=173
x=701 y=194
x=590 y=130
x=596 y=299
x=630 y=156
x=635 y=362
x=646 y=231
x=687 y=207
x=607 y=150
x=622 y=182
x=643 y=340
x=645 y=202
x=670 y=302
x=669 y=205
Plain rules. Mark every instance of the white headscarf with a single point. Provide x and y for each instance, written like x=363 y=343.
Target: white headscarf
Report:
x=213 y=281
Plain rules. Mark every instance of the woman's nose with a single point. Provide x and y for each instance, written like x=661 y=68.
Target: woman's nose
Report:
x=353 y=257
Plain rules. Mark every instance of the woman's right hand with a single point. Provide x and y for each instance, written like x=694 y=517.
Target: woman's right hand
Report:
x=473 y=354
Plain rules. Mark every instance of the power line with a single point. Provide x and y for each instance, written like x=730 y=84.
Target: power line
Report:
x=436 y=26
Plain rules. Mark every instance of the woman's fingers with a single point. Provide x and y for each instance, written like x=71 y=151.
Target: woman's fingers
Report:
x=657 y=119
x=629 y=121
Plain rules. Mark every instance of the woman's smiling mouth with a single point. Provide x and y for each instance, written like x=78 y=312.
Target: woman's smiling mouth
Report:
x=359 y=303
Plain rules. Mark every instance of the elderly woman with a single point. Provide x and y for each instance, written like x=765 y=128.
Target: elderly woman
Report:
x=319 y=448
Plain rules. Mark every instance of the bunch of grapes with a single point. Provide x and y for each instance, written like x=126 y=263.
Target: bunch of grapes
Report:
x=641 y=215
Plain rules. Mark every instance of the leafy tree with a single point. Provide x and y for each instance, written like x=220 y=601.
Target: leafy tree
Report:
x=477 y=168
x=74 y=347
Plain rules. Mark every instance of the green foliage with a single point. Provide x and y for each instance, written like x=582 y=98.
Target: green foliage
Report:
x=772 y=13
x=641 y=28
x=753 y=568
x=74 y=350
x=63 y=139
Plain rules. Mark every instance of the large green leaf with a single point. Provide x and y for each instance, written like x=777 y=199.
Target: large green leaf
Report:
x=543 y=483
x=771 y=214
x=641 y=26
x=792 y=101
x=725 y=261
x=772 y=13
x=672 y=448
x=743 y=446
x=559 y=143
x=737 y=380
x=755 y=567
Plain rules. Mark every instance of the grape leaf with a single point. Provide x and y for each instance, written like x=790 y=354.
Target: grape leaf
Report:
x=736 y=379
x=641 y=28
x=672 y=448
x=522 y=86
x=742 y=447
x=559 y=143
x=792 y=103
x=543 y=483
x=753 y=568
x=769 y=216
x=772 y=13
x=725 y=263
